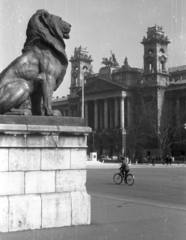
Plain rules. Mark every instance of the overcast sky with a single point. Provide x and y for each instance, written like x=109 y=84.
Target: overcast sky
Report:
x=99 y=25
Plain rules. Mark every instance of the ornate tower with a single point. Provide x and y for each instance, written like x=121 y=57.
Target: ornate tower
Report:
x=155 y=78
x=80 y=63
x=155 y=56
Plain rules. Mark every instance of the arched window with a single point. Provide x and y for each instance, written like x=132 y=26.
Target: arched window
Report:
x=75 y=76
x=162 y=50
x=162 y=60
x=162 y=63
x=150 y=60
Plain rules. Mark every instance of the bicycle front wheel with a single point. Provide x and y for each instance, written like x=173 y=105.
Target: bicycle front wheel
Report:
x=130 y=179
x=118 y=178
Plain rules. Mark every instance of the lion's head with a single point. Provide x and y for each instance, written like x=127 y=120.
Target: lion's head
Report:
x=49 y=29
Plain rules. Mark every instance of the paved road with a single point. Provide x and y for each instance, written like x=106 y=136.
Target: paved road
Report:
x=154 y=208
x=164 y=186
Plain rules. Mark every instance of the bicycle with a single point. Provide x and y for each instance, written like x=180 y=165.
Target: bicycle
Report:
x=118 y=178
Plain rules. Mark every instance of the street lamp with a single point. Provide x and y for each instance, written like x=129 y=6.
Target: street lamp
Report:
x=85 y=68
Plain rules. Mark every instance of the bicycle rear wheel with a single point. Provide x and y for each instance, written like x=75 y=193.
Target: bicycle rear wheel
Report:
x=118 y=178
x=130 y=179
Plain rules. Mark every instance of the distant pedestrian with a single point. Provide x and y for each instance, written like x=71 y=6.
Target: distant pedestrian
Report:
x=167 y=159
x=170 y=160
x=153 y=161
x=183 y=159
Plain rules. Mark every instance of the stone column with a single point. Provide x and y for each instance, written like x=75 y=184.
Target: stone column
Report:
x=129 y=105
x=178 y=110
x=95 y=115
x=122 y=122
x=116 y=112
x=86 y=113
x=101 y=116
x=111 y=115
x=105 y=114
x=122 y=112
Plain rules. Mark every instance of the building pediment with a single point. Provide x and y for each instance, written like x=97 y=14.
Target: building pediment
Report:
x=102 y=85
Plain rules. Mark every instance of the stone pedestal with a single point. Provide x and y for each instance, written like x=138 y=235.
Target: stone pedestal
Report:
x=42 y=173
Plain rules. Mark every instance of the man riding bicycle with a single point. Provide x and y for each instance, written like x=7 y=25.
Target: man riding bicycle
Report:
x=125 y=169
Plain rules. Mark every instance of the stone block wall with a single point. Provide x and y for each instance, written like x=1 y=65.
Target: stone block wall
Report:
x=42 y=177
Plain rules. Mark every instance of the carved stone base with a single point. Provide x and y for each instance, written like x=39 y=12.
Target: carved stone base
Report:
x=43 y=175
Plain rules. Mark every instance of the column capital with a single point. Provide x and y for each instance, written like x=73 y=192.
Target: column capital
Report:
x=123 y=94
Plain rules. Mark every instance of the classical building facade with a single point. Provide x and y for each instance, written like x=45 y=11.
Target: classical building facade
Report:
x=111 y=101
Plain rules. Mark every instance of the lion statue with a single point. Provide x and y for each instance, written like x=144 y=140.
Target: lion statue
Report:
x=40 y=70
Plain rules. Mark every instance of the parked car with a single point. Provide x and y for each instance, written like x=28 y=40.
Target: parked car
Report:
x=104 y=158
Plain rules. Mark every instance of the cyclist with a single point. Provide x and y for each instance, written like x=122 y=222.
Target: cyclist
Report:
x=125 y=169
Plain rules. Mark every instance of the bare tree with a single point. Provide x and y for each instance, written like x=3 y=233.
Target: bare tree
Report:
x=136 y=137
x=166 y=132
x=158 y=129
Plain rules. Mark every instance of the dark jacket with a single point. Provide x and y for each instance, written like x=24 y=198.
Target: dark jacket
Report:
x=125 y=166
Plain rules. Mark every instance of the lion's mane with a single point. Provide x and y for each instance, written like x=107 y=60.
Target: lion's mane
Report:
x=40 y=29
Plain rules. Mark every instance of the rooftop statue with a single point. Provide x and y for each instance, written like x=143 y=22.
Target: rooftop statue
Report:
x=111 y=62
x=40 y=69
